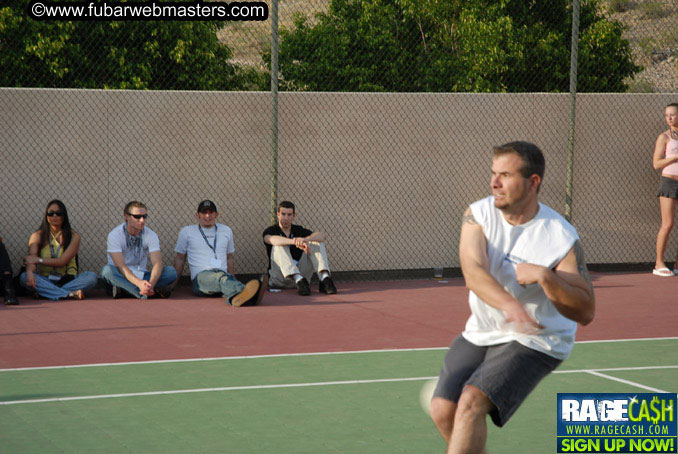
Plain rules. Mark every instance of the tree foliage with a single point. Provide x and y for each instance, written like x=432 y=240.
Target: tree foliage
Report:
x=128 y=55
x=453 y=45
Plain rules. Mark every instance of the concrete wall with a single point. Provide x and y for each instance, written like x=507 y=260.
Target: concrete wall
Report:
x=387 y=176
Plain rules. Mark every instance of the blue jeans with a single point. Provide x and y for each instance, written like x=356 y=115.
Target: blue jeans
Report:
x=216 y=282
x=113 y=277
x=46 y=288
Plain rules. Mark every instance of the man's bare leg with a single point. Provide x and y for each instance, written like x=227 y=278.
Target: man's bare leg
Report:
x=470 y=425
x=442 y=413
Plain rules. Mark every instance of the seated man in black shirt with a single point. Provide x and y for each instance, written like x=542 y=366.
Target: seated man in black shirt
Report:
x=295 y=253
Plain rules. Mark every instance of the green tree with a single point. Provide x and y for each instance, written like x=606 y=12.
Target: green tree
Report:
x=453 y=45
x=128 y=55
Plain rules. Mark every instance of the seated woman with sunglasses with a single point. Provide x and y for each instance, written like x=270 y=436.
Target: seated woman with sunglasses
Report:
x=52 y=250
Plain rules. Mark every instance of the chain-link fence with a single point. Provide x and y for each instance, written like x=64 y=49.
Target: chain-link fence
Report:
x=355 y=45
x=377 y=150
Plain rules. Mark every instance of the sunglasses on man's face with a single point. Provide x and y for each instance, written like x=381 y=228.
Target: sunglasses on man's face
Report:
x=55 y=213
x=138 y=216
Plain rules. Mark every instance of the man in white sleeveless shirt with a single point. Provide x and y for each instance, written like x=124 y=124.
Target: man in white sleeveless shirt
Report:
x=528 y=285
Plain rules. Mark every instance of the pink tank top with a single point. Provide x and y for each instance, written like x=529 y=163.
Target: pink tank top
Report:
x=671 y=151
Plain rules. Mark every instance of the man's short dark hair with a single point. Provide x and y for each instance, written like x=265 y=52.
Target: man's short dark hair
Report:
x=134 y=204
x=533 y=158
x=286 y=204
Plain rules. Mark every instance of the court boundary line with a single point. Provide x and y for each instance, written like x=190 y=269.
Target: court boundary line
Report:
x=226 y=388
x=612 y=369
x=626 y=382
x=314 y=384
x=291 y=355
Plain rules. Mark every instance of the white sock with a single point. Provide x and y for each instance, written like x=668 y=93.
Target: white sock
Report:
x=323 y=275
x=297 y=278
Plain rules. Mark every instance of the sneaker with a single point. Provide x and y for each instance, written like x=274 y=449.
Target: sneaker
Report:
x=163 y=292
x=76 y=295
x=327 y=286
x=303 y=288
x=10 y=297
x=249 y=292
x=116 y=292
x=259 y=295
x=263 y=285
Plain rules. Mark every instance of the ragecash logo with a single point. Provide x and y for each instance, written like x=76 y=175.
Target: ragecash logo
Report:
x=617 y=423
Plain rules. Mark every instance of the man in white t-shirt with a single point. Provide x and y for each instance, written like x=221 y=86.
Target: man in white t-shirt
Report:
x=209 y=248
x=529 y=287
x=129 y=246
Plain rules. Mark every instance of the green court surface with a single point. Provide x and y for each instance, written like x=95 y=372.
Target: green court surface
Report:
x=354 y=402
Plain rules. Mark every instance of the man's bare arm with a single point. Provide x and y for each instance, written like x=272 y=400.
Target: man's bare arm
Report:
x=568 y=286
x=475 y=266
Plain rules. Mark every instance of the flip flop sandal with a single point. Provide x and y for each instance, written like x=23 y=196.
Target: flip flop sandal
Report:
x=663 y=272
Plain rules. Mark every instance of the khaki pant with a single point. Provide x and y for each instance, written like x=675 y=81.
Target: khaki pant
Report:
x=283 y=265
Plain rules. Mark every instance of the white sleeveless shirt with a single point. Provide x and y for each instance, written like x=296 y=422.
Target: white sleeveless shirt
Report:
x=545 y=240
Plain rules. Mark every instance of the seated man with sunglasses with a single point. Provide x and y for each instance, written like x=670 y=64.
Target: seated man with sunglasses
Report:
x=209 y=248
x=129 y=246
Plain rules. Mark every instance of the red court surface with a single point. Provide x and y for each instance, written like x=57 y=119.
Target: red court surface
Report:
x=363 y=316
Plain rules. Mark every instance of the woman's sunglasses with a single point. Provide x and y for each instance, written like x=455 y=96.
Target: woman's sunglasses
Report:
x=55 y=213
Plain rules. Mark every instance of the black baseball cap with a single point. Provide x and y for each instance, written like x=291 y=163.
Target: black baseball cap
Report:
x=207 y=205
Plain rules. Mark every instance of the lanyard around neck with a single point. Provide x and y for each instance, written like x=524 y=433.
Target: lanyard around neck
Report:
x=213 y=247
x=54 y=254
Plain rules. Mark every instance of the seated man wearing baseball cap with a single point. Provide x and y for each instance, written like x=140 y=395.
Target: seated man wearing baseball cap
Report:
x=209 y=249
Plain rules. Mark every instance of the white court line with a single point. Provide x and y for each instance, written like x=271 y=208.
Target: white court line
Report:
x=612 y=369
x=627 y=382
x=626 y=340
x=224 y=358
x=204 y=390
x=328 y=383
x=286 y=355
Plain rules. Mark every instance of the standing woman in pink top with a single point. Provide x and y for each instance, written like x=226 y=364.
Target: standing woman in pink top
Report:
x=666 y=158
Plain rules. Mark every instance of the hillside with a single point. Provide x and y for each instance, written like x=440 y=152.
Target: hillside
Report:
x=652 y=31
x=249 y=39
x=651 y=28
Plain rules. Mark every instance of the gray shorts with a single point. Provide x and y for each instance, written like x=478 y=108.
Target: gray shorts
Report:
x=668 y=187
x=506 y=373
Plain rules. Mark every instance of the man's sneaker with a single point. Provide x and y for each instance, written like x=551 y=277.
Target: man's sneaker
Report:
x=250 y=291
x=327 y=286
x=116 y=292
x=10 y=297
x=263 y=285
x=303 y=288
x=163 y=292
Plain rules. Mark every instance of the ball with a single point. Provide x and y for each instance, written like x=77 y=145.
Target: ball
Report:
x=426 y=394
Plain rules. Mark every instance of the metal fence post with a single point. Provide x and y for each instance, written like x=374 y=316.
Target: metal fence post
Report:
x=274 y=109
x=574 y=53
